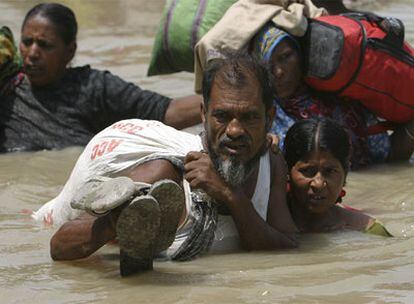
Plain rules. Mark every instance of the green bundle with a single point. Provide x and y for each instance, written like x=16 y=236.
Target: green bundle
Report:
x=183 y=24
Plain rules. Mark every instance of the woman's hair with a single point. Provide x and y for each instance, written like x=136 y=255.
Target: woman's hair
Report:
x=61 y=16
x=307 y=135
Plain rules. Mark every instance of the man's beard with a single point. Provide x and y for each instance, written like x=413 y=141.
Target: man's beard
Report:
x=233 y=171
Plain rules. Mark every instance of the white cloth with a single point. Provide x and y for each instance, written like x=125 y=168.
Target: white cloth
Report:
x=115 y=150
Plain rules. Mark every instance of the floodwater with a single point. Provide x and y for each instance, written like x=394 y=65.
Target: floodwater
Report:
x=327 y=268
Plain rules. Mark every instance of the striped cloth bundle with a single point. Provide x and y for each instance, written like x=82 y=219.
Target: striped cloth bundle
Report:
x=183 y=23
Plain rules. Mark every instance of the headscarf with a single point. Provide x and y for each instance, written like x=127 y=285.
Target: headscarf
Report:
x=268 y=38
x=10 y=61
x=312 y=104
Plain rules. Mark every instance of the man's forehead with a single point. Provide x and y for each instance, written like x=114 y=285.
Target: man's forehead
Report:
x=244 y=96
x=236 y=106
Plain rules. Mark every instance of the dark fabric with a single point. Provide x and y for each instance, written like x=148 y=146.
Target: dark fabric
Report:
x=72 y=111
x=346 y=112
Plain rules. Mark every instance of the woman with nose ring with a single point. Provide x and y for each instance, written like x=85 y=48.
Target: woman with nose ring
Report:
x=317 y=153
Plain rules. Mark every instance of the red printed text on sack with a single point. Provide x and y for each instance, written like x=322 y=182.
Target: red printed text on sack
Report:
x=104 y=147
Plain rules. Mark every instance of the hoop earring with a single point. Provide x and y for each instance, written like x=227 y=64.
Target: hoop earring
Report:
x=288 y=187
x=341 y=195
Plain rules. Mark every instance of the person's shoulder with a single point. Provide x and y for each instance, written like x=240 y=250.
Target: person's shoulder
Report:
x=278 y=167
x=277 y=161
x=100 y=75
x=353 y=218
x=80 y=71
x=86 y=76
x=78 y=74
x=18 y=81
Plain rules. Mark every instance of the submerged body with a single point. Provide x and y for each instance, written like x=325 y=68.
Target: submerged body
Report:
x=120 y=148
x=317 y=153
x=53 y=106
x=72 y=111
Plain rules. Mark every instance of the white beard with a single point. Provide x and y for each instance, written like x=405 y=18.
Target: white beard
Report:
x=233 y=172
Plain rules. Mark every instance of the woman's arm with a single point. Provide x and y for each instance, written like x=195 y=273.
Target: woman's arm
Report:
x=184 y=112
x=118 y=99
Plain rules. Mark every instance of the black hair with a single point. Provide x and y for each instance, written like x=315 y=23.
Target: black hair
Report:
x=61 y=16
x=235 y=70
x=307 y=135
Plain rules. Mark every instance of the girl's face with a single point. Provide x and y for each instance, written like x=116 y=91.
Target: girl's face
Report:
x=287 y=69
x=317 y=181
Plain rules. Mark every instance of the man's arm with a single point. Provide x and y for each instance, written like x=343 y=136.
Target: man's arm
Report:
x=83 y=236
x=255 y=233
x=184 y=112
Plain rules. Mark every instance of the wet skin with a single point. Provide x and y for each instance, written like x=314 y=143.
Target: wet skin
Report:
x=317 y=181
x=286 y=68
x=239 y=115
x=45 y=54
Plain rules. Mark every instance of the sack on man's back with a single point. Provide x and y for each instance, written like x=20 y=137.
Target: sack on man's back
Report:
x=363 y=57
x=183 y=23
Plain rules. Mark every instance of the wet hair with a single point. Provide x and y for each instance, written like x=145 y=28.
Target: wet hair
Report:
x=307 y=135
x=236 y=70
x=61 y=16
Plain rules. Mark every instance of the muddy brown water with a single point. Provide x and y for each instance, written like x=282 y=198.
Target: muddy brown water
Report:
x=327 y=268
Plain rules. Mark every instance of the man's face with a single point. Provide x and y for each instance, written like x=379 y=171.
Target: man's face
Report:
x=235 y=123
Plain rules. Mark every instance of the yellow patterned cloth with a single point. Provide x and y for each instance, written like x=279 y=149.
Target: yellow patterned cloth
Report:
x=10 y=61
x=377 y=228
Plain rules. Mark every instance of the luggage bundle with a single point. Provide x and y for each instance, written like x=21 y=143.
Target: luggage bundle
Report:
x=183 y=24
x=364 y=57
x=10 y=61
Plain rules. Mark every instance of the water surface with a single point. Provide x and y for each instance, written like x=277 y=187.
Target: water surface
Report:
x=327 y=268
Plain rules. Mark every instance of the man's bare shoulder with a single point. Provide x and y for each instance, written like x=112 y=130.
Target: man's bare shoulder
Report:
x=278 y=164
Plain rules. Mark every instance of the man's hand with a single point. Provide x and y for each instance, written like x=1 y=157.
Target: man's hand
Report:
x=273 y=142
x=201 y=174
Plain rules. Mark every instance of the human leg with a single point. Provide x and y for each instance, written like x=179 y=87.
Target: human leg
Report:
x=170 y=200
x=137 y=229
x=116 y=196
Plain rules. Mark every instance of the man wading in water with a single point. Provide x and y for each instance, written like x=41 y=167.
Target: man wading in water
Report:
x=239 y=174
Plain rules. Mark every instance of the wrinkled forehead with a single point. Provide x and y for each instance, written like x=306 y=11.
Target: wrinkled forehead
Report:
x=236 y=78
x=245 y=94
x=236 y=75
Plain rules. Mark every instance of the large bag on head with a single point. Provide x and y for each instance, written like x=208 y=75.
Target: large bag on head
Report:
x=183 y=24
x=363 y=57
